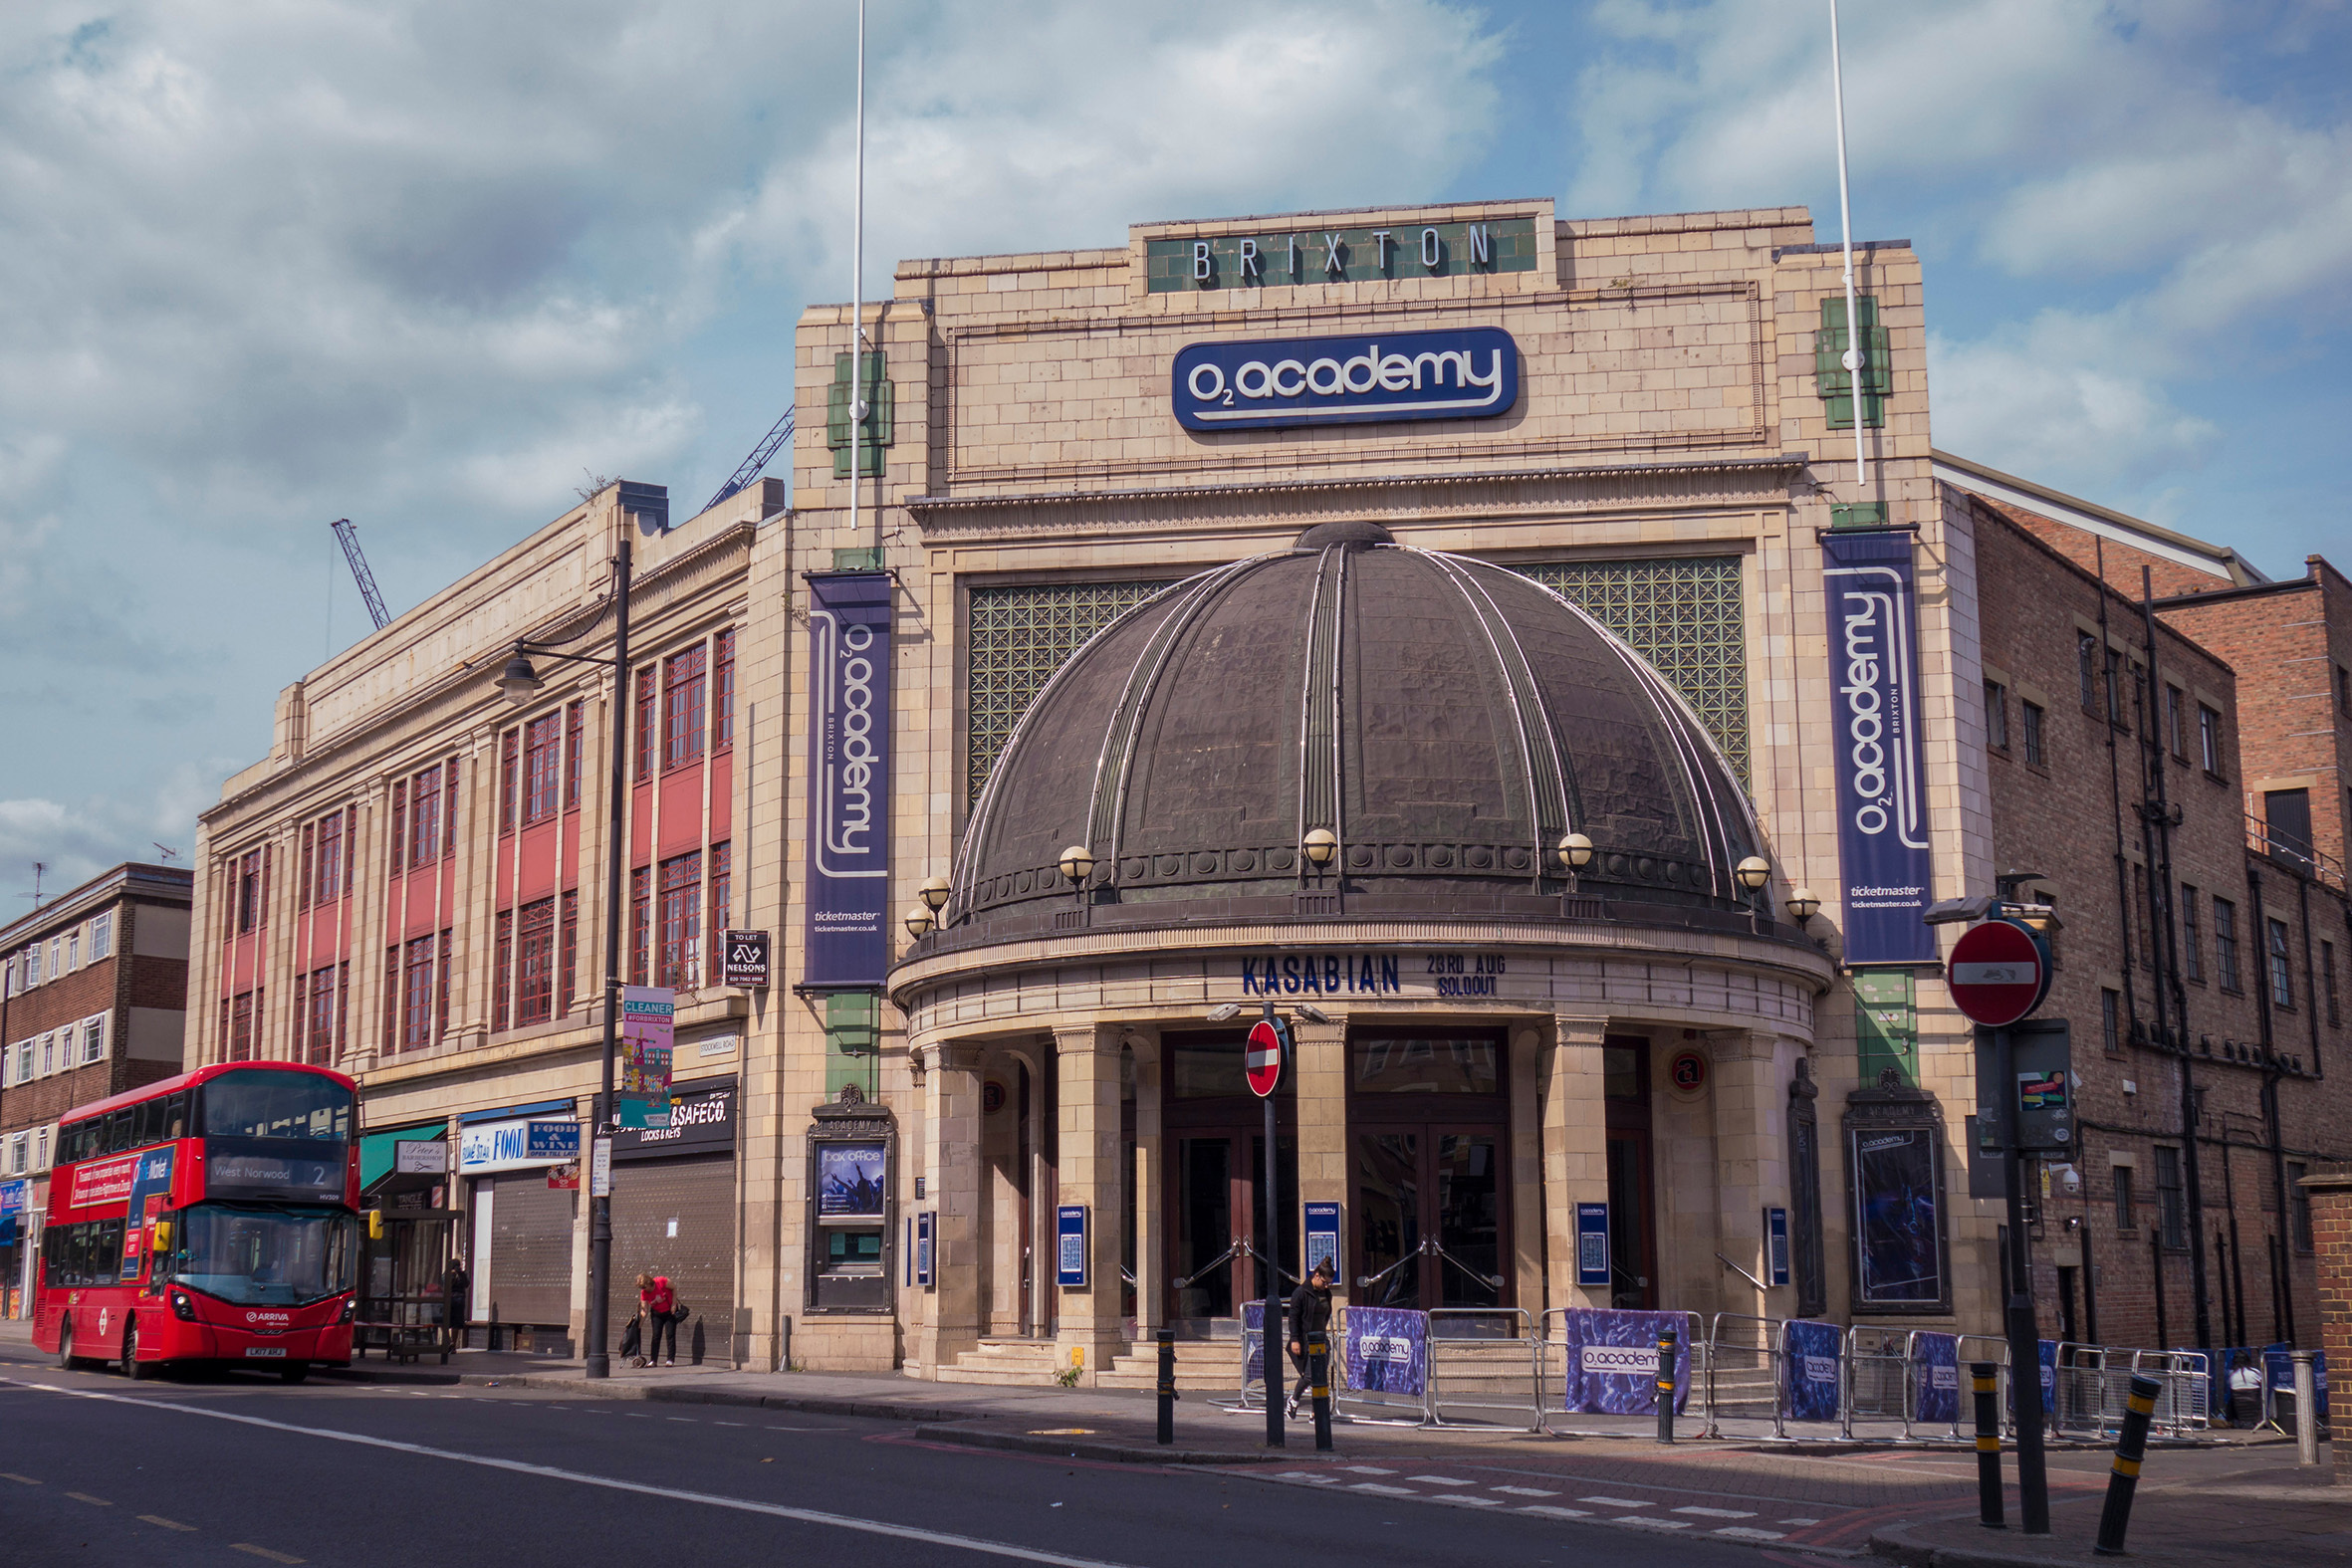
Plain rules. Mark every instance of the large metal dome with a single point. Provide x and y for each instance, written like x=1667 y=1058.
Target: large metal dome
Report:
x=1446 y=720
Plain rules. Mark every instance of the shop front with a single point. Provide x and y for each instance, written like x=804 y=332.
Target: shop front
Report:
x=520 y=1168
x=17 y=1230
x=404 y=1306
x=675 y=1214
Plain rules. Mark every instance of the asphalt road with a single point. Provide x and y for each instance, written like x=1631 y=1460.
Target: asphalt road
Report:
x=238 y=1470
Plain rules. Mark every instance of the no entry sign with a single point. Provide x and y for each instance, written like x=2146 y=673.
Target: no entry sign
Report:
x=1998 y=974
x=1270 y=1042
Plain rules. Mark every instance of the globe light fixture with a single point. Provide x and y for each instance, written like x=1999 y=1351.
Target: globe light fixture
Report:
x=934 y=893
x=918 y=920
x=1321 y=845
x=1077 y=863
x=1752 y=872
x=1802 y=905
x=1574 y=851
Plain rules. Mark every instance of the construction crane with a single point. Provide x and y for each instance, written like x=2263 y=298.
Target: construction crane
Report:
x=348 y=536
x=758 y=460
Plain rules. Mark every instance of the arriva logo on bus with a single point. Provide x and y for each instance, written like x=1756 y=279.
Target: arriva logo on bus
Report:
x=1467 y=373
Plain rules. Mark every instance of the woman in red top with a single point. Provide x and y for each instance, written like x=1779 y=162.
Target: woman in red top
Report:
x=656 y=1302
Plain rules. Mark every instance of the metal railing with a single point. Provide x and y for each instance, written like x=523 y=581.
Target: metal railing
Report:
x=1745 y=1372
x=1487 y=1359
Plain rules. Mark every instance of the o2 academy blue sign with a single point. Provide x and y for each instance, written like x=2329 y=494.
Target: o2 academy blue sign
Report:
x=1468 y=373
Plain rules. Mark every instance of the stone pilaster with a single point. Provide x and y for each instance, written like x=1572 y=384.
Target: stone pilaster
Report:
x=1087 y=1171
x=1576 y=1149
x=1319 y=1082
x=1751 y=1161
x=1150 y=1244
x=1524 y=1250
x=951 y=1159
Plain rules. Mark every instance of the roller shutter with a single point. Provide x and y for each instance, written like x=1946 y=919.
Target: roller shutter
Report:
x=695 y=1196
x=531 y=1249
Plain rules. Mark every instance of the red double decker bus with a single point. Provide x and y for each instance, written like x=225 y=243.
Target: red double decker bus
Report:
x=212 y=1216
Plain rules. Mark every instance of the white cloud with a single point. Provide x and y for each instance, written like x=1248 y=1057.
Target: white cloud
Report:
x=2048 y=401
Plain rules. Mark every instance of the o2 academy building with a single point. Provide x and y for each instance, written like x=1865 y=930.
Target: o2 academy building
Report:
x=1460 y=630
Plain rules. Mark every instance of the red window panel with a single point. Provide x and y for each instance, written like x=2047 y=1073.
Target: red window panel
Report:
x=506 y=781
x=723 y=690
x=682 y=922
x=321 y=1012
x=449 y=808
x=224 y=1028
x=502 y=969
x=342 y=1005
x=425 y=824
x=722 y=890
x=566 y=953
x=534 y=986
x=685 y=692
x=399 y=828
x=543 y=741
x=575 y=732
x=391 y=997
x=328 y=884
x=309 y=866
x=641 y=922
x=268 y=852
x=648 y=723
x=241 y=1009
x=417 y=1010
x=249 y=894
x=441 y=1002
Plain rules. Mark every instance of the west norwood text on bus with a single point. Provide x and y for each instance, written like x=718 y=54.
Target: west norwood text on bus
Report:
x=210 y=1217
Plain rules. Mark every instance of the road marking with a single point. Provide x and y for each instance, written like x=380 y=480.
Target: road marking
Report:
x=169 y=1524
x=1526 y=1491
x=1441 y=1481
x=1366 y=1470
x=728 y=1424
x=1617 y=1502
x=689 y=1419
x=82 y=1496
x=1307 y=1475
x=1385 y=1492
x=1468 y=1502
x=1743 y=1533
x=1654 y=1524
x=1798 y=1521
x=1716 y=1513
x=262 y=1551
x=838 y=1521
x=23 y=1480
x=1551 y=1512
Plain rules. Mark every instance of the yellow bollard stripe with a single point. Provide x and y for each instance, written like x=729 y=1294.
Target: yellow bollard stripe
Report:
x=2127 y=1468
x=1987 y=1445
x=2141 y=1406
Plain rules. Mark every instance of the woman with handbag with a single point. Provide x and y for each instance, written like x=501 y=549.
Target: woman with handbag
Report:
x=657 y=1306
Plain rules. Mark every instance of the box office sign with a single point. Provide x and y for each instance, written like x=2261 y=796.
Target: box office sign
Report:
x=848 y=779
x=1469 y=372
x=1882 y=834
x=850 y=1180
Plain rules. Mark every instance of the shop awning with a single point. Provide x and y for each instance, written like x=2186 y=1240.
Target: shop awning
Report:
x=377 y=1155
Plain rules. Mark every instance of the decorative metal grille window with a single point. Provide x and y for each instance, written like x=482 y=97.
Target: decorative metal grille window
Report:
x=1019 y=635
x=1684 y=616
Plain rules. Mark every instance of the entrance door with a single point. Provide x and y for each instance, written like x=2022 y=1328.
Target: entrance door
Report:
x=1215 y=1133
x=1633 y=1258
x=1435 y=1184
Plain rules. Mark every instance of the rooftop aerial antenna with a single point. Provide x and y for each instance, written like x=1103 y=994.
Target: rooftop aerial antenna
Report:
x=1854 y=357
x=35 y=895
x=165 y=850
x=350 y=537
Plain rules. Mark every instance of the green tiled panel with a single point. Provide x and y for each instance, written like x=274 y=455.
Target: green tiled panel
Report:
x=1684 y=615
x=1886 y=1025
x=880 y=423
x=1017 y=636
x=1509 y=246
x=1834 y=381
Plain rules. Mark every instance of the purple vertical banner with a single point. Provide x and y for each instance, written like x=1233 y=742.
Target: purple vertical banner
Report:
x=1882 y=831
x=1934 y=1367
x=848 y=779
x=1611 y=1361
x=1810 y=1353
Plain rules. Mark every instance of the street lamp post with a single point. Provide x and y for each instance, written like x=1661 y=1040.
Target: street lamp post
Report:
x=522 y=682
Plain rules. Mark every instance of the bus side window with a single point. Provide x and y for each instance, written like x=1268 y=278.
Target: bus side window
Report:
x=175 y=1115
x=117 y=1131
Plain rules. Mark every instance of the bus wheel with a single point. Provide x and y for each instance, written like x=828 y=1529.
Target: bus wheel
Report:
x=130 y=1365
x=294 y=1372
x=64 y=1344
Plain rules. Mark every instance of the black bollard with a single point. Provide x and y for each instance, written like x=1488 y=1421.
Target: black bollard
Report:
x=1668 y=1344
x=1319 y=1372
x=1984 y=1377
x=1168 y=1395
x=2116 y=1517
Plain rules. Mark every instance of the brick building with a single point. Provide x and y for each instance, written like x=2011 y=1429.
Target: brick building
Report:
x=92 y=1002
x=1070 y=737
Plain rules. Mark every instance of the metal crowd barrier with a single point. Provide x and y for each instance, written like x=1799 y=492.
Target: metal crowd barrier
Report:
x=1485 y=1358
x=1384 y=1406
x=1878 y=1375
x=1558 y=1373
x=1746 y=1374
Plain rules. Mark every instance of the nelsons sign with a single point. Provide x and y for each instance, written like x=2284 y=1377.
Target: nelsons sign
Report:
x=1468 y=373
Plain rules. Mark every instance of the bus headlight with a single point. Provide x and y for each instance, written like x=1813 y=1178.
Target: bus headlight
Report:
x=351 y=1305
x=181 y=1307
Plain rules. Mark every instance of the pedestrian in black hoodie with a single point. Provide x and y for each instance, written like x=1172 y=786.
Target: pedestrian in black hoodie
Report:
x=1311 y=1313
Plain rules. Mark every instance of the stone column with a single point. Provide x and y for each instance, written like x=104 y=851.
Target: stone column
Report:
x=1576 y=1150
x=1320 y=1086
x=1150 y=1195
x=1523 y=1252
x=951 y=1160
x=1750 y=1163
x=1087 y=1171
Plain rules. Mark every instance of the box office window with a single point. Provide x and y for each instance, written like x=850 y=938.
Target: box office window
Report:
x=1421 y=1064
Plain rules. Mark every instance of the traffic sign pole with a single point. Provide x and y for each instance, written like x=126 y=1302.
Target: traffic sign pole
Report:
x=1268 y=1032
x=2033 y=1488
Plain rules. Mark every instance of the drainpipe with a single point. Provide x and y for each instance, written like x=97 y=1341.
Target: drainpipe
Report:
x=2270 y=1114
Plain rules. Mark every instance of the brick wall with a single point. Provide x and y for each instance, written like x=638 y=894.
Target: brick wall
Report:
x=2331 y=1225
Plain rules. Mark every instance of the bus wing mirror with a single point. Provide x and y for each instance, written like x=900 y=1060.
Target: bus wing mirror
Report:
x=162 y=1236
x=374 y=1225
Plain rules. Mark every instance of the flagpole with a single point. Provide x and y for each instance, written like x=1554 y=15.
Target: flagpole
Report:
x=858 y=408
x=1855 y=357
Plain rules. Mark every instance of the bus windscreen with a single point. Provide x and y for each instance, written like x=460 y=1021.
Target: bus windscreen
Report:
x=276 y=1105
x=256 y=1257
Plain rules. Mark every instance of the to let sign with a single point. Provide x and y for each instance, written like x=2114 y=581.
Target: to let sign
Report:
x=744 y=960
x=1998 y=973
x=1269 y=1045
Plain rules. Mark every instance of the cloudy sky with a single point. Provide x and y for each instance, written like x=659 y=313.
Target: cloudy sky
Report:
x=421 y=263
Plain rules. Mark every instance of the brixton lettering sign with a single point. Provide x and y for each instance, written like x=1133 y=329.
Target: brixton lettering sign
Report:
x=1463 y=374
